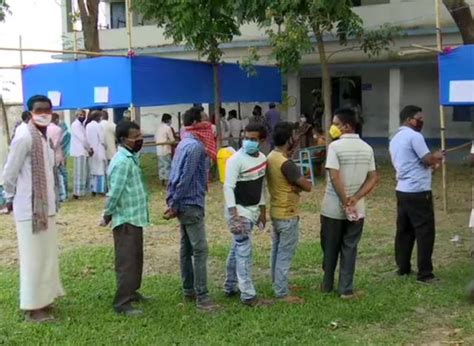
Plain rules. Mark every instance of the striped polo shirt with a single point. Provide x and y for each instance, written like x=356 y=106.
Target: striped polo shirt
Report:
x=354 y=159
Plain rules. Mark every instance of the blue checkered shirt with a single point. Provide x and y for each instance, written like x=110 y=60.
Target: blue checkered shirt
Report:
x=188 y=177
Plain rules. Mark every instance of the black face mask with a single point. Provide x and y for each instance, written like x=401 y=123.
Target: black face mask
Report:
x=419 y=125
x=135 y=147
x=81 y=119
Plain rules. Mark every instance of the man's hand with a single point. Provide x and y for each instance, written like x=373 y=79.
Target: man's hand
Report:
x=262 y=219
x=105 y=220
x=91 y=152
x=170 y=214
x=352 y=201
x=9 y=207
x=296 y=189
x=233 y=212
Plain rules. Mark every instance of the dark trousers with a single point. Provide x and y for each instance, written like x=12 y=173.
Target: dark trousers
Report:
x=193 y=247
x=128 y=241
x=415 y=221
x=339 y=240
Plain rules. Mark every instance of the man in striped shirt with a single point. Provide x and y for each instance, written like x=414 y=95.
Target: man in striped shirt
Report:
x=245 y=208
x=351 y=176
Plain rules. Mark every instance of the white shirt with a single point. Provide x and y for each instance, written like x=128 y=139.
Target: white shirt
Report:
x=164 y=133
x=109 y=136
x=79 y=145
x=95 y=138
x=235 y=127
x=17 y=175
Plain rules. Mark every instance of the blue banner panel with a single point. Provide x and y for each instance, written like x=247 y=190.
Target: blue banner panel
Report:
x=238 y=86
x=87 y=83
x=456 y=76
x=161 y=81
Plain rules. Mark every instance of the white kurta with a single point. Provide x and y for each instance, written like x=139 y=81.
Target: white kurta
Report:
x=96 y=140
x=109 y=136
x=471 y=221
x=79 y=145
x=39 y=268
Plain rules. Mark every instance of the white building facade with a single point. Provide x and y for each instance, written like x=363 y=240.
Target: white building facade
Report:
x=382 y=85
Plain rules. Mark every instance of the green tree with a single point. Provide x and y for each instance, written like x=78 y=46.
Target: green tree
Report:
x=89 y=14
x=300 y=20
x=4 y=9
x=462 y=15
x=201 y=24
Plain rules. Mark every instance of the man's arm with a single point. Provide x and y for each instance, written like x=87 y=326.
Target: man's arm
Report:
x=338 y=185
x=231 y=175
x=421 y=149
x=369 y=184
x=117 y=181
x=292 y=173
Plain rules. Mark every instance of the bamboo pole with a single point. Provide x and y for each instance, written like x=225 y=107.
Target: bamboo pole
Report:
x=74 y=42
x=439 y=44
x=39 y=50
x=5 y=119
x=129 y=23
x=20 y=45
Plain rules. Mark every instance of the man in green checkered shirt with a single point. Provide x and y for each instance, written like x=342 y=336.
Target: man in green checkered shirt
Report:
x=127 y=209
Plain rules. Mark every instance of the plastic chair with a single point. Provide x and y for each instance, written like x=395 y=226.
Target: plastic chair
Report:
x=307 y=160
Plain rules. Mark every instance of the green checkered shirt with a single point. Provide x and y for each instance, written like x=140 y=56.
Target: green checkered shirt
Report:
x=127 y=198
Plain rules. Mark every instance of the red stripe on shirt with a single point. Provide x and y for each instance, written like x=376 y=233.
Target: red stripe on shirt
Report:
x=263 y=165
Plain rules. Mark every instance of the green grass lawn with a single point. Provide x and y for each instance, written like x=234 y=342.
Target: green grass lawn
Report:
x=392 y=311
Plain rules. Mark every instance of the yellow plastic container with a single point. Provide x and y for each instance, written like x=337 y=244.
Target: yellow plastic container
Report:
x=222 y=156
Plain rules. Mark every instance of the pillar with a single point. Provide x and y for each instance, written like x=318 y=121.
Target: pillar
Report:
x=395 y=99
x=293 y=93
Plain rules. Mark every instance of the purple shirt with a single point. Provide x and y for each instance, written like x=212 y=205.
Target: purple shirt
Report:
x=272 y=117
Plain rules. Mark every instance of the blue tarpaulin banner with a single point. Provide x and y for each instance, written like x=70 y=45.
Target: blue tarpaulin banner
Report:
x=456 y=76
x=146 y=81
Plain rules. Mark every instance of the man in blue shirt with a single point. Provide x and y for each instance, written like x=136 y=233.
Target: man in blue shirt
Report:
x=414 y=164
x=186 y=200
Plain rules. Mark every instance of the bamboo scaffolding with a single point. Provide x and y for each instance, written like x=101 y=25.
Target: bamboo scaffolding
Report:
x=79 y=52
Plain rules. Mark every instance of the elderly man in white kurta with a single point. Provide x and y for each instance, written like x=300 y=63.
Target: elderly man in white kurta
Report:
x=80 y=153
x=98 y=160
x=31 y=194
x=108 y=127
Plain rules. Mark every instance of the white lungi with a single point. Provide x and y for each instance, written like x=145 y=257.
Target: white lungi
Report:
x=40 y=284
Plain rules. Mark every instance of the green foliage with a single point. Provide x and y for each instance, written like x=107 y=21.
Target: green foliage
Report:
x=4 y=9
x=201 y=24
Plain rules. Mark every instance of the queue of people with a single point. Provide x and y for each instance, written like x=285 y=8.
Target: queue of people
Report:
x=351 y=174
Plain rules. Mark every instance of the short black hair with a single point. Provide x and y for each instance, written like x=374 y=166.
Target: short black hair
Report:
x=166 y=117
x=123 y=129
x=257 y=127
x=54 y=117
x=233 y=113
x=222 y=111
x=25 y=116
x=272 y=105
x=409 y=112
x=282 y=132
x=191 y=115
x=347 y=117
x=37 y=98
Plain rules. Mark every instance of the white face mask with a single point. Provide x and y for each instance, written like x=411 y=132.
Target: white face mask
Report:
x=41 y=120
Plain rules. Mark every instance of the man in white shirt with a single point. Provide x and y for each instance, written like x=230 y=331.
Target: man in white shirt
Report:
x=245 y=208
x=80 y=151
x=32 y=198
x=164 y=134
x=108 y=127
x=98 y=159
x=224 y=128
x=235 y=129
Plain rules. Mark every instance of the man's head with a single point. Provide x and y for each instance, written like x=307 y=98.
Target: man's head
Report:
x=272 y=105
x=95 y=115
x=255 y=134
x=41 y=108
x=412 y=116
x=81 y=115
x=284 y=135
x=232 y=114
x=128 y=134
x=25 y=116
x=222 y=112
x=55 y=118
x=344 y=121
x=105 y=115
x=192 y=116
x=257 y=110
x=166 y=118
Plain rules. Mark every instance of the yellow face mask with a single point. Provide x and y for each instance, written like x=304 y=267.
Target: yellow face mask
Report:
x=335 y=132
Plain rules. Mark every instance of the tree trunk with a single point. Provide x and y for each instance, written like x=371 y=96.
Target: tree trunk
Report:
x=461 y=13
x=89 y=12
x=5 y=120
x=217 y=103
x=326 y=83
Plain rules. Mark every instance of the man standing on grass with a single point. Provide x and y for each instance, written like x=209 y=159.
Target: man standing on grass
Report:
x=164 y=134
x=108 y=128
x=244 y=195
x=186 y=200
x=98 y=160
x=56 y=133
x=80 y=151
x=414 y=164
x=351 y=176
x=127 y=209
x=30 y=190
x=285 y=183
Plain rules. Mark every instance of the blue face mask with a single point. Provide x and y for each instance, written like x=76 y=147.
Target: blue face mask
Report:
x=251 y=147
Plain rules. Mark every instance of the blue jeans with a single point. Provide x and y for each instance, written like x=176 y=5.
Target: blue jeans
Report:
x=239 y=267
x=284 y=242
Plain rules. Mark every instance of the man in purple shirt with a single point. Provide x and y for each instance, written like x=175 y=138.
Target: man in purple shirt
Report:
x=272 y=117
x=186 y=201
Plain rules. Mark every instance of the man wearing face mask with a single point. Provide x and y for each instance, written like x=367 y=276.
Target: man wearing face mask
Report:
x=414 y=164
x=31 y=194
x=244 y=195
x=80 y=151
x=127 y=209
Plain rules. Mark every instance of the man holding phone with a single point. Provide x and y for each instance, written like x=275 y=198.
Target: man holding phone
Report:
x=245 y=208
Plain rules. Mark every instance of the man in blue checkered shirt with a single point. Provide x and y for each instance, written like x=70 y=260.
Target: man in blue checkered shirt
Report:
x=127 y=209
x=186 y=200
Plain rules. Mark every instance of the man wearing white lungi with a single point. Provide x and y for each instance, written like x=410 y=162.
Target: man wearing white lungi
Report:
x=108 y=127
x=32 y=198
x=98 y=159
x=80 y=152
